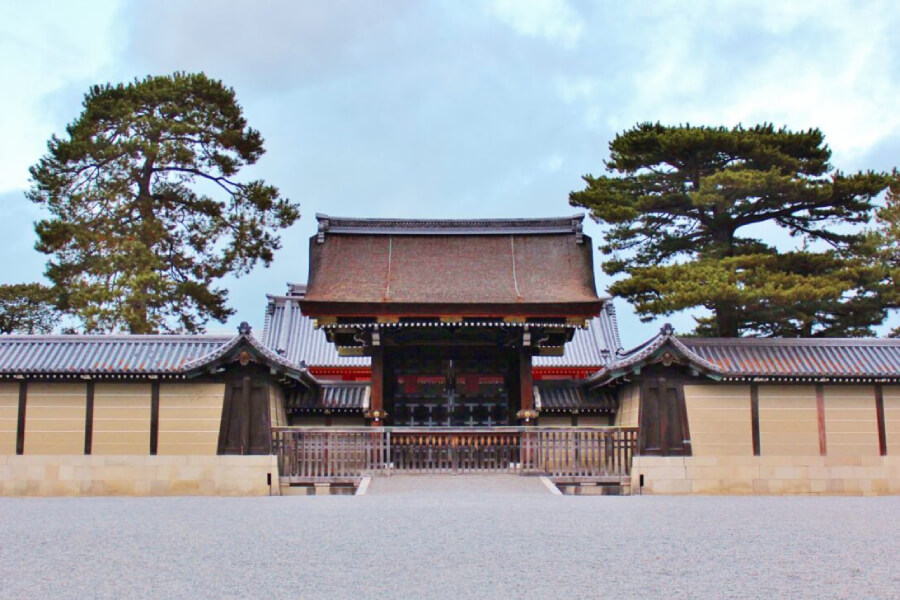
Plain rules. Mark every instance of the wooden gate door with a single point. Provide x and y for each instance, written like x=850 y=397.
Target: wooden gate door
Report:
x=245 y=427
x=664 y=425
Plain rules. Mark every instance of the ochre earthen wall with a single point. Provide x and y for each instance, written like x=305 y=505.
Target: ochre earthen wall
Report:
x=276 y=406
x=790 y=460
x=851 y=425
x=719 y=419
x=121 y=418
x=9 y=417
x=189 y=418
x=55 y=418
x=891 y=395
x=788 y=420
x=629 y=406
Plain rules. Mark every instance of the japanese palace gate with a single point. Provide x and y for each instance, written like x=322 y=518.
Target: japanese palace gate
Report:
x=451 y=312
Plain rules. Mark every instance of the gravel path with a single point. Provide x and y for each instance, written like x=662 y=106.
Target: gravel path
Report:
x=464 y=537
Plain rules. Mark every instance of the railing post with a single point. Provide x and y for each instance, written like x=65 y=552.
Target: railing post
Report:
x=388 y=453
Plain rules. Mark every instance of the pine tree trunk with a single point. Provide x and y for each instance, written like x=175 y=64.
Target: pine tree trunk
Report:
x=726 y=321
x=140 y=322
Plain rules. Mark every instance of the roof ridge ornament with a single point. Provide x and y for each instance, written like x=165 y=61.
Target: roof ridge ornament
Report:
x=324 y=222
x=667 y=330
x=244 y=328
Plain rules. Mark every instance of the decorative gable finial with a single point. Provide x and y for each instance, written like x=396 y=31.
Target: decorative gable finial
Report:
x=244 y=328
x=667 y=330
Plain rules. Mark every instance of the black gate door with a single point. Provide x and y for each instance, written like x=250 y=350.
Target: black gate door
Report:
x=245 y=425
x=450 y=393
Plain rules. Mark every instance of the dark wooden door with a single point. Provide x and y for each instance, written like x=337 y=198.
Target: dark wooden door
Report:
x=450 y=392
x=246 y=424
x=664 y=426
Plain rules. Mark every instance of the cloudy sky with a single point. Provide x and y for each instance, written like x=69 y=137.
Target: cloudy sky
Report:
x=483 y=108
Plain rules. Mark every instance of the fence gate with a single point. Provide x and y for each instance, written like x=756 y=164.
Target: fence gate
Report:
x=311 y=454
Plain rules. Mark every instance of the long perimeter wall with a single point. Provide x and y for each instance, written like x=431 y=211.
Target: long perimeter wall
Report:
x=783 y=439
x=121 y=438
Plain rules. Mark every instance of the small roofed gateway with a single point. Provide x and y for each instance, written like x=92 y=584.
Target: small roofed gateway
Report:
x=448 y=346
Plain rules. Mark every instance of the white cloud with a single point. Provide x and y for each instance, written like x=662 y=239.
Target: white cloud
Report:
x=831 y=66
x=271 y=46
x=552 y=163
x=44 y=50
x=553 y=20
x=577 y=88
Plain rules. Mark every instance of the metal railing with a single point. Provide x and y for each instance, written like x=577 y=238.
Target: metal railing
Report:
x=307 y=454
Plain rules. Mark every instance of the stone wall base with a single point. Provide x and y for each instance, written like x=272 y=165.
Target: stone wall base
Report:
x=825 y=475
x=65 y=475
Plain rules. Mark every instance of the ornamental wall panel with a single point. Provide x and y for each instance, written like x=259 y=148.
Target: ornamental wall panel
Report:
x=55 y=418
x=629 y=407
x=309 y=420
x=276 y=406
x=788 y=420
x=9 y=417
x=121 y=418
x=851 y=424
x=189 y=417
x=719 y=419
x=594 y=420
x=891 y=395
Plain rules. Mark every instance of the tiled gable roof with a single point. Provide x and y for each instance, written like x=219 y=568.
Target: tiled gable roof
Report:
x=103 y=354
x=443 y=267
x=842 y=359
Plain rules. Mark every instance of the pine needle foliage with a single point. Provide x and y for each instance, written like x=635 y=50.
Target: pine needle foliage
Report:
x=684 y=206
x=146 y=211
x=27 y=308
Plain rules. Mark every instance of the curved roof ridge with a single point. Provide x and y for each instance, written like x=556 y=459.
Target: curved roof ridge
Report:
x=245 y=336
x=778 y=341
x=400 y=226
x=779 y=358
x=665 y=336
x=114 y=337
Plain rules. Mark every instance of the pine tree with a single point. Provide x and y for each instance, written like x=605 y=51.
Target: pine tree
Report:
x=27 y=308
x=885 y=246
x=146 y=212
x=684 y=207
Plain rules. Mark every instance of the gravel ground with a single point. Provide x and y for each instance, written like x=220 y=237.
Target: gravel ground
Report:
x=454 y=537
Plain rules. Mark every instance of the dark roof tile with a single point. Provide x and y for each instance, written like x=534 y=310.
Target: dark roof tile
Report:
x=523 y=272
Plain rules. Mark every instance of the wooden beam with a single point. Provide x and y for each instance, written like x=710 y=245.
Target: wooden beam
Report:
x=754 y=416
x=820 y=409
x=154 y=417
x=879 y=414
x=376 y=397
x=89 y=418
x=526 y=383
x=687 y=448
x=245 y=413
x=224 y=424
x=20 y=424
